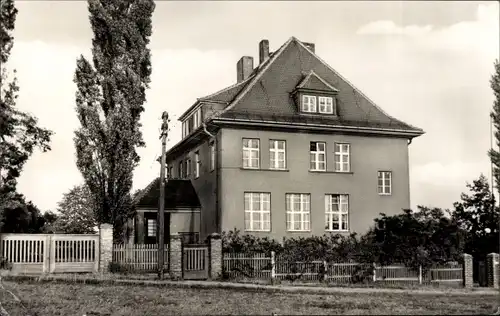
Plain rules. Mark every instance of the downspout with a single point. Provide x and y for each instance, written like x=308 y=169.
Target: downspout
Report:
x=216 y=163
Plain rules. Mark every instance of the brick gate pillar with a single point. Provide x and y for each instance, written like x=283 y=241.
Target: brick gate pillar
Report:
x=467 y=271
x=493 y=270
x=105 y=247
x=175 y=257
x=215 y=241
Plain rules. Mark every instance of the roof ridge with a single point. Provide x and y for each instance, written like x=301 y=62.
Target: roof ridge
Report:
x=354 y=87
x=258 y=75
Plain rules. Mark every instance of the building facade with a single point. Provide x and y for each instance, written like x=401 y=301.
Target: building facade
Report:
x=292 y=149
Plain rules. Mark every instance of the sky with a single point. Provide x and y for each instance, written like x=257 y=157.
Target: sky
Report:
x=426 y=63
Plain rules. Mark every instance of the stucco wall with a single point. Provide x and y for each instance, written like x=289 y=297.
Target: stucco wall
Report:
x=204 y=185
x=368 y=156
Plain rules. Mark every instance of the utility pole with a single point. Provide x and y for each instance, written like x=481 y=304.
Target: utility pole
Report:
x=161 y=211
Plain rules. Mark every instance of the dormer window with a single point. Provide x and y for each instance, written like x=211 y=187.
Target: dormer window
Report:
x=324 y=105
x=192 y=122
x=309 y=104
x=314 y=95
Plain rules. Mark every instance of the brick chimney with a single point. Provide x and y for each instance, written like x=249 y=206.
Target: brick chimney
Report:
x=311 y=46
x=263 y=51
x=244 y=68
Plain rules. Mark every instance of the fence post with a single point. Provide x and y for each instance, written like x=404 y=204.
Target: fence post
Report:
x=325 y=276
x=374 y=272
x=420 y=274
x=467 y=270
x=492 y=267
x=105 y=247
x=273 y=265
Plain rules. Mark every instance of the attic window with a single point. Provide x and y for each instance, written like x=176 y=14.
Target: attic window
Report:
x=309 y=104
x=324 y=105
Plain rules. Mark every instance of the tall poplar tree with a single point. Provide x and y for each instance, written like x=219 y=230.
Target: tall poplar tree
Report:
x=109 y=101
x=495 y=115
x=20 y=134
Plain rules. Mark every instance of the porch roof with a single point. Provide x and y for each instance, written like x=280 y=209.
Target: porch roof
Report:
x=178 y=194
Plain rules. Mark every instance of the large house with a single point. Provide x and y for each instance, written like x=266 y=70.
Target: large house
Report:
x=291 y=149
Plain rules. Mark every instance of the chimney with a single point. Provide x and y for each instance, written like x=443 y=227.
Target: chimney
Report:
x=263 y=51
x=310 y=46
x=244 y=68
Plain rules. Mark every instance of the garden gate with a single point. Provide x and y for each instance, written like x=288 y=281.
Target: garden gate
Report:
x=195 y=261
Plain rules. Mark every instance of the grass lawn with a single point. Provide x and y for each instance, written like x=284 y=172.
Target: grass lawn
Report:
x=50 y=298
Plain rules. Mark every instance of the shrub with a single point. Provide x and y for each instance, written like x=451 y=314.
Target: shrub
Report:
x=114 y=267
x=5 y=264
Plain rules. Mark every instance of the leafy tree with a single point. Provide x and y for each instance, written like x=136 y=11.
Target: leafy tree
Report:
x=495 y=115
x=19 y=133
x=110 y=97
x=478 y=216
x=25 y=217
x=76 y=212
x=415 y=239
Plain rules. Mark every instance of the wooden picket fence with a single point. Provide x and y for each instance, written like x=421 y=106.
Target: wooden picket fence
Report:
x=264 y=266
x=138 y=257
x=50 y=253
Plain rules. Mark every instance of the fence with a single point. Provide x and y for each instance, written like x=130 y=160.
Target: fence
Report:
x=262 y=266
x=139 y=257
x=50 y=253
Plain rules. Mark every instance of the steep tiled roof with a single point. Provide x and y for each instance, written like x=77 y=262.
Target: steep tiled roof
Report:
x=269 y=90
x=178 y=194
x=227 y=94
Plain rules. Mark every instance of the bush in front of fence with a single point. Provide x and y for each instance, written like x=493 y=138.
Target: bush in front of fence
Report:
x=5 y=264
x=120 y=268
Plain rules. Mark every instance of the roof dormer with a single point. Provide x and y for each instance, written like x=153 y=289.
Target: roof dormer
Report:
x=313 y=95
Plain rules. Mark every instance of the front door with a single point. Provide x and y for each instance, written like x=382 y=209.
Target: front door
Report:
x=151 y=228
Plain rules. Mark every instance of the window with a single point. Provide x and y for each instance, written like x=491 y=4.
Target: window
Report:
x=325 y=105
x=318 y=156
x=197 y=164
x=277 y=154
x=181 y=171
x=212 y=156
x=151 y=227
x=342 y=157
x=197 y=118
x=384 y=182
x=184 y=129
x=309 y=103
x=298 y=207
x=170 y=172
x=257 y=211
x=251 y=155
x=188 y=168
x=336 y=212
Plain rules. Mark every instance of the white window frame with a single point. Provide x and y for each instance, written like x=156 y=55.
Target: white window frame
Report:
x=197 y=164
x=384 y=189
x=303 y=212
x=341 y=211
x=314 y=157
x=249 y=162
x=325 y=105
x=212 y=156
x=184 y=129
x=309 y=104
x=274 y=153
x=151 y=227
x=259 y=209
x=197 y=118
x=340 y=154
